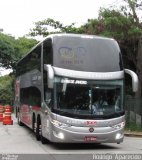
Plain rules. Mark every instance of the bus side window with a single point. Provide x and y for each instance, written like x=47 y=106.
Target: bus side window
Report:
x=47 y=52
x=48 y=97
x=31 y=96
x=35 y=59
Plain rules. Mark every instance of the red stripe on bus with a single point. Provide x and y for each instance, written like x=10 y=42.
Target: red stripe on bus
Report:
x=36 y=108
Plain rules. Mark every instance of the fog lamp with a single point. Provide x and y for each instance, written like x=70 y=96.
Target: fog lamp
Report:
x=59 y=135
x=118 y=136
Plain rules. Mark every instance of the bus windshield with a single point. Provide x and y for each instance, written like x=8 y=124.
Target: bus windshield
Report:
x=85 y=98
x=86 y=54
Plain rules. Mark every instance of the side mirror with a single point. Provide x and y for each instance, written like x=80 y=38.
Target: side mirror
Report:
x=50 y=75
x=135 y=80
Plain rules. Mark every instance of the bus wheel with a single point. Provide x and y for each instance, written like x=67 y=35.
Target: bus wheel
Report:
x=38 y=130
x=18 y=119
x=34 y=124
x=43 y=140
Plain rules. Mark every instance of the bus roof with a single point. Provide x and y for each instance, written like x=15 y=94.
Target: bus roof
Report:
x=70 y=35
x=52 y=36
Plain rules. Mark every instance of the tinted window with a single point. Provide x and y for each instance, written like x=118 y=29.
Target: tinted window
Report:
x=87 y=54
x=88 y=99
x=30 y=62
x=47 y=52
x=30 y=96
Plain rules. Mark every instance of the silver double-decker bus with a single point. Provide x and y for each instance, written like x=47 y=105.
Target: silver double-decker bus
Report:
x=70 y=89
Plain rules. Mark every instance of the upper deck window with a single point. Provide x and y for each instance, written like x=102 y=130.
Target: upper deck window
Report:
x=87 y=54
x=30 y=62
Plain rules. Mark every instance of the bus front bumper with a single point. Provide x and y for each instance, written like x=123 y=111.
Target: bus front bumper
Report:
x=83 y=135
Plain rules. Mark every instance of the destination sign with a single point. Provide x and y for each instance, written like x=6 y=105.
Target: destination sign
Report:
x=71 y=81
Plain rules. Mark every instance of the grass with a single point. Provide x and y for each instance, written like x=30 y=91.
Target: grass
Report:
x=133 y=127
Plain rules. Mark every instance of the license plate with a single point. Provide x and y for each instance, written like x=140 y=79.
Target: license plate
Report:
x=90 y=138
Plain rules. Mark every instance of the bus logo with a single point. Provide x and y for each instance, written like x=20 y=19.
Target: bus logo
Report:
x=72 y=53
x=91 y=123
x=91 y=130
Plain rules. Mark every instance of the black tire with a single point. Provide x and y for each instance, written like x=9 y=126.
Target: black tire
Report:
x=38 y=136
x=43 y=139
x=33 y=125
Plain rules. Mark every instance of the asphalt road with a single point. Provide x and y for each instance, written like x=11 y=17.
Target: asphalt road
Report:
x=15 y=140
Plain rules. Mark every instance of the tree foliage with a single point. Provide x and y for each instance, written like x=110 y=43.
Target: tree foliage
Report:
x=131 y=9
x=7 y=89
x=24 y=45
x=51 y=26
x=7 y=50
x=11 y=49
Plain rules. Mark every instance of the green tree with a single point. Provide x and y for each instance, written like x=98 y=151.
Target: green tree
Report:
x=7 y=50
x=11 y=49
x=131 y=9
x=24 y=45
x=50 y=26
x=7 y=89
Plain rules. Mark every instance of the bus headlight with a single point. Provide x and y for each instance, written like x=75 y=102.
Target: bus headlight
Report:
x=59 y=135
x=59 y=124
x=119 y=126
x=118 y=136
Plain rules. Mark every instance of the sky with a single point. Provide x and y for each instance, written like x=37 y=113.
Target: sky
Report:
x=17 y=17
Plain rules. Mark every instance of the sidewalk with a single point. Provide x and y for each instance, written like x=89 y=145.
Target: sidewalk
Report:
x=133 y=134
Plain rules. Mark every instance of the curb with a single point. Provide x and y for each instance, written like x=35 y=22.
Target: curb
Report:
x=133 y=134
